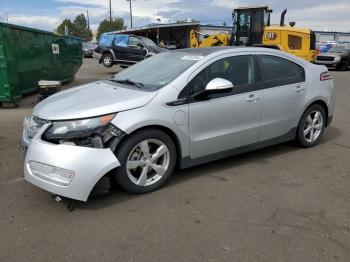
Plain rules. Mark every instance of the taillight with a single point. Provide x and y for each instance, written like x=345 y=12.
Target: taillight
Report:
x=325 y=76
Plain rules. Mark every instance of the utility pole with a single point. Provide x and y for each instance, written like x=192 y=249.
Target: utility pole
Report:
x=88 y=19
x=110 y=11
x=130 y=13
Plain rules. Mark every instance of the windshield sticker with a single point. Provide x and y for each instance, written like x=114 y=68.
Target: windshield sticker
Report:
x=192 y=57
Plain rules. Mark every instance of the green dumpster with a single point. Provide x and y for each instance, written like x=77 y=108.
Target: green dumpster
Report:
x=28 y=55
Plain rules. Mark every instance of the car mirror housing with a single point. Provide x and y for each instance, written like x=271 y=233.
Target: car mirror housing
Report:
x=218 y=85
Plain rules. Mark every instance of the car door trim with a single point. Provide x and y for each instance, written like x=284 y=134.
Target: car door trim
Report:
x=189 y=162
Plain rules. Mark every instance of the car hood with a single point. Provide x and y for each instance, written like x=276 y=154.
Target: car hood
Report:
x=93 y=99
x=331 y=54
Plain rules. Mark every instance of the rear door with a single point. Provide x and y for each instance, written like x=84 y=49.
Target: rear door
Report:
x=284 y=88
x=119 y=47
x=225 y=121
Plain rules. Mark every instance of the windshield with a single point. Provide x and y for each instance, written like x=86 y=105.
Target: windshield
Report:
x=148 y=41
x=337 y=49
x=158 y=71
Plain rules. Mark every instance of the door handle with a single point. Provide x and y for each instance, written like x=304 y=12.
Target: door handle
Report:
x=252 y=98
x=299 y=88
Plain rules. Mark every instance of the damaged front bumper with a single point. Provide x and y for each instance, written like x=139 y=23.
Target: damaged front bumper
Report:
x=66 y=170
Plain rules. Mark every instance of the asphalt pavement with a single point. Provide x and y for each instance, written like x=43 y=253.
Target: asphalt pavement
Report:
x=281 y=203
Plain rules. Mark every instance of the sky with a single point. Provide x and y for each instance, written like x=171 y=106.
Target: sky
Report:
x=47 y=14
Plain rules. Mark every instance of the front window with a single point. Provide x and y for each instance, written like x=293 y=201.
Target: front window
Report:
x=244 y=21
x=239 y=70
x=134 y=41
x=158 y=71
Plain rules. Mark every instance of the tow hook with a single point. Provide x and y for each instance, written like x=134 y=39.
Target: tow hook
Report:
x=59 y=199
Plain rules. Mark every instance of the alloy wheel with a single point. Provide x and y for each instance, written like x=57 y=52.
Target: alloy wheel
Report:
x=313 y=126
x=147 y=162
x=107 y=60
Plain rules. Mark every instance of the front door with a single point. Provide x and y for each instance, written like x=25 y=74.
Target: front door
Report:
x=136 y=49
x=225 y=121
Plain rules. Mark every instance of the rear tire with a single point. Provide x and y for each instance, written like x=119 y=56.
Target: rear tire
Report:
x=311 y=126
x=107 y=60
x=148 y=160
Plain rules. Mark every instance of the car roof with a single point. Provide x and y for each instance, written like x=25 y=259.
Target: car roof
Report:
x=210 y=52
x=204 y=51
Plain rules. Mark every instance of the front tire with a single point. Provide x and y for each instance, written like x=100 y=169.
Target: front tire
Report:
x=311 y=126
x=107 y=60
x=147 y=160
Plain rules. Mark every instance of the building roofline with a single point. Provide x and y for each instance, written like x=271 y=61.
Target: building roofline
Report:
x=155 y=26
x=331 y=32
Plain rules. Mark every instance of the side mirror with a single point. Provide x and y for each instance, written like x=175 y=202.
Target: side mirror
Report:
x=140 y=45
x=215 y=86
x=219 y=85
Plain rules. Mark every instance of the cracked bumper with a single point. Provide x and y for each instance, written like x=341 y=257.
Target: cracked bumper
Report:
x=88 y=164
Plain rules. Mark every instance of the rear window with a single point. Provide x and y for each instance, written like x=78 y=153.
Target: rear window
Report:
x=279 y=71
x=106 y=40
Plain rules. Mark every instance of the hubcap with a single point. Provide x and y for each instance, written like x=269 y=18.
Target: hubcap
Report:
x=107 y=60
x=313 y=126
x=147 y=162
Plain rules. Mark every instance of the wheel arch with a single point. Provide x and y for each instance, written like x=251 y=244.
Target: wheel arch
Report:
x=321 y=102
x=167 y=131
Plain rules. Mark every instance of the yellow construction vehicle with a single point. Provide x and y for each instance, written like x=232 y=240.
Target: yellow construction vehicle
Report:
x=252 y=27
x=221 y=39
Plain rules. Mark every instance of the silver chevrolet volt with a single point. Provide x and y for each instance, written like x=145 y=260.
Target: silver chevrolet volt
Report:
x=176 y=109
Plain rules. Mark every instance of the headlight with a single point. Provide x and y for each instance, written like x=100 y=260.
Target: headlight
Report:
x=78 y=128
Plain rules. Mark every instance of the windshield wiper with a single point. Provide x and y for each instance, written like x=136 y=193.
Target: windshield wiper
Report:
x=127 y=82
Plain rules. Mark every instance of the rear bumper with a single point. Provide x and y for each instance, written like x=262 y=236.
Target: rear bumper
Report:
x=326 y=63
x=88 y=53
x=88 y=164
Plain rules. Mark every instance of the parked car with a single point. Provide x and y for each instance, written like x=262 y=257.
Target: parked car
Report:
x=88 y=49
x=124 y=50
x=180 y=108
x=338 y=56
